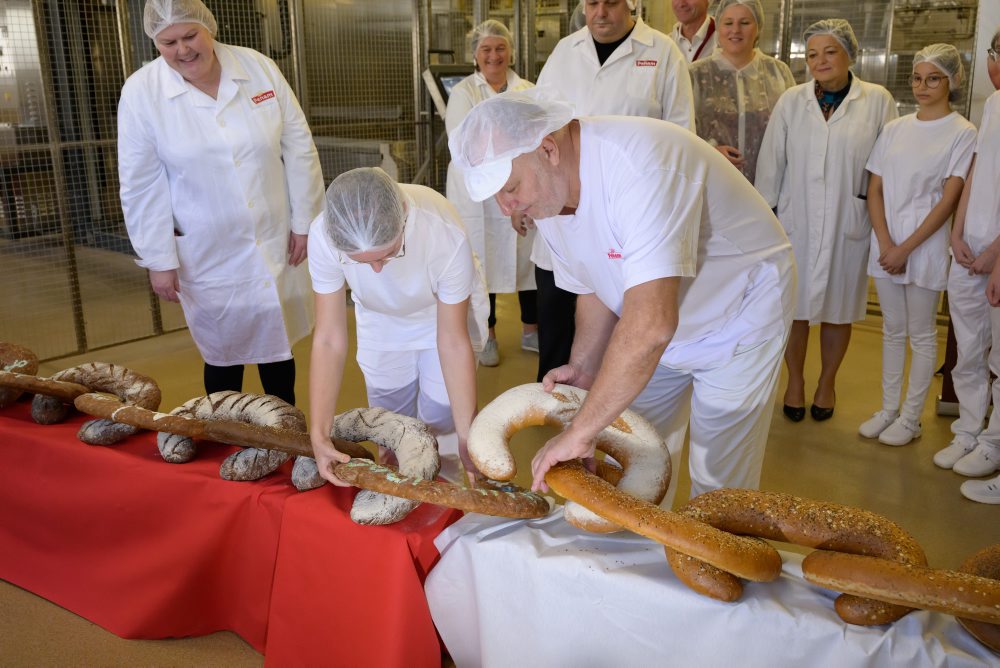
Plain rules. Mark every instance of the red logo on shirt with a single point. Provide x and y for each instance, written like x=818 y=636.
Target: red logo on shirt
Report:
x=614 y=254
x=645 y=63
x=262 y=97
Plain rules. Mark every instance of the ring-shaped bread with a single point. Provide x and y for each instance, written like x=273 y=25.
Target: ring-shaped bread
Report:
x=792 y=519
x=630 y=440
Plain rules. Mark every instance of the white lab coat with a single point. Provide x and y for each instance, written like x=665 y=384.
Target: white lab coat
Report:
x=504 y=254
x=212 y=188
x=813 y=172
x=647 y=75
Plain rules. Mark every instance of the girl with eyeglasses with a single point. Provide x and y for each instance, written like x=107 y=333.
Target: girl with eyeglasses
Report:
x=918 y=169
x=420 y=306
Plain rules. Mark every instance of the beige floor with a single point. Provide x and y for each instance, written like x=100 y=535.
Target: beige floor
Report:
x=817 y=460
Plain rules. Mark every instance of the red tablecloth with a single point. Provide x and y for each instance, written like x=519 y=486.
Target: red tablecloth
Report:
x=147 y=549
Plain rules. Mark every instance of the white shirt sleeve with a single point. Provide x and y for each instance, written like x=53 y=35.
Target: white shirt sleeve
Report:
x=324 y=261
x=303 y=176
x=145 y=190
x=771 y=161
x=458 y=279
x=677 y=100
x=877 y=157
x=961 y=156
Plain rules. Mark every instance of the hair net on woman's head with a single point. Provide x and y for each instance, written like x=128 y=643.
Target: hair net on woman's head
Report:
x=364 y=210
x=753 y=5
x=498 y=130
x=160 y=14
x=946 y=58
x=840 y=30
x=490 y=28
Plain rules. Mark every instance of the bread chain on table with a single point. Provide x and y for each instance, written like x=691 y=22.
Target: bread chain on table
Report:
x=500 y=501
x=792 y=519
x=985 y=562
x=953 y=592
x=749 y=558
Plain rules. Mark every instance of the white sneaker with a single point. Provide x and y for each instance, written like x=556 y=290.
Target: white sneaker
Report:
x=900 y=432
x=490 y=356
x=529 y=341
x=983 y=491
x=983 y=460
x=877 y=423
x=958 y=448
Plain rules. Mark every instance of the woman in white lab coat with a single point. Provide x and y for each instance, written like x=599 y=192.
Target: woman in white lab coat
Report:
x=419 y=301
x=918 y=169
x=736 y=88
x=219 y=182
x=506 y=255
x=811 y=169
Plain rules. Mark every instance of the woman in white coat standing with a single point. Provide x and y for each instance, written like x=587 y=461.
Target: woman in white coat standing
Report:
x=219 y=182
x=811 y=169
x=506 y=255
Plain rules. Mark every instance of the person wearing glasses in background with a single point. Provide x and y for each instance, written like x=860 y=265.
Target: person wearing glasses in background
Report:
x=918 y=168
x=419 y=301
x=975 y=243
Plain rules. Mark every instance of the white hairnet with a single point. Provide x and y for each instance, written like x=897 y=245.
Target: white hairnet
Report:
x=498 y=130
x=946 y=58
x=364 y=210
x=160 y=14
x=840 y=30
x=753 y=5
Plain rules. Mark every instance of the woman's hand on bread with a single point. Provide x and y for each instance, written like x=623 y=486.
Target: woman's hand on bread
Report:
x=326 y=457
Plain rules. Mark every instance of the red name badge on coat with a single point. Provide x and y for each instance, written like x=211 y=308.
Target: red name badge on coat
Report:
x=262 y=97
x=645 y=63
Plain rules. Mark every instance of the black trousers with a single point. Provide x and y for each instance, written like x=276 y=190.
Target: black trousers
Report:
x=529 y=308
x=278 y=378
x=556 y=322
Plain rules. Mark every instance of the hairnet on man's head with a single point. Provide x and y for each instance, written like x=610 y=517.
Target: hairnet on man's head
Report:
x=578 y=20
x=754 y=6
x=498 y=130
x=840 y=30
x=946 y=58
x=364 y=210
x=160 y=14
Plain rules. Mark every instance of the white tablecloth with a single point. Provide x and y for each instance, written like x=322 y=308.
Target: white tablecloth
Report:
x=543 y=593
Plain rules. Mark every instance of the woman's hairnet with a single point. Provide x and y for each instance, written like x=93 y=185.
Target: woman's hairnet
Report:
x=491 y=28
x=946 y=58
x=364 y=210
x=754 y=6
x=840 y=30
x=498 y=130
x=160 y=14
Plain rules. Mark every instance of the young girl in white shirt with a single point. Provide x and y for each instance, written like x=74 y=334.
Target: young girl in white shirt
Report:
x=918 y=168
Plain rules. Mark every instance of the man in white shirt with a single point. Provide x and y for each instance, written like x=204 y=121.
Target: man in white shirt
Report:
x=694 y=31
x=685 y=279
x=620 y=66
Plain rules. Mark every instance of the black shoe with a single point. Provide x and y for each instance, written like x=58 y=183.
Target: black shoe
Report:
x=794 y=413
x=819 y=413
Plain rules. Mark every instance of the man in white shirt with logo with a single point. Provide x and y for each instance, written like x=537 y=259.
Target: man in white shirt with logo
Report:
x=694 y=31
x=620 y=66
x=685 y=279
